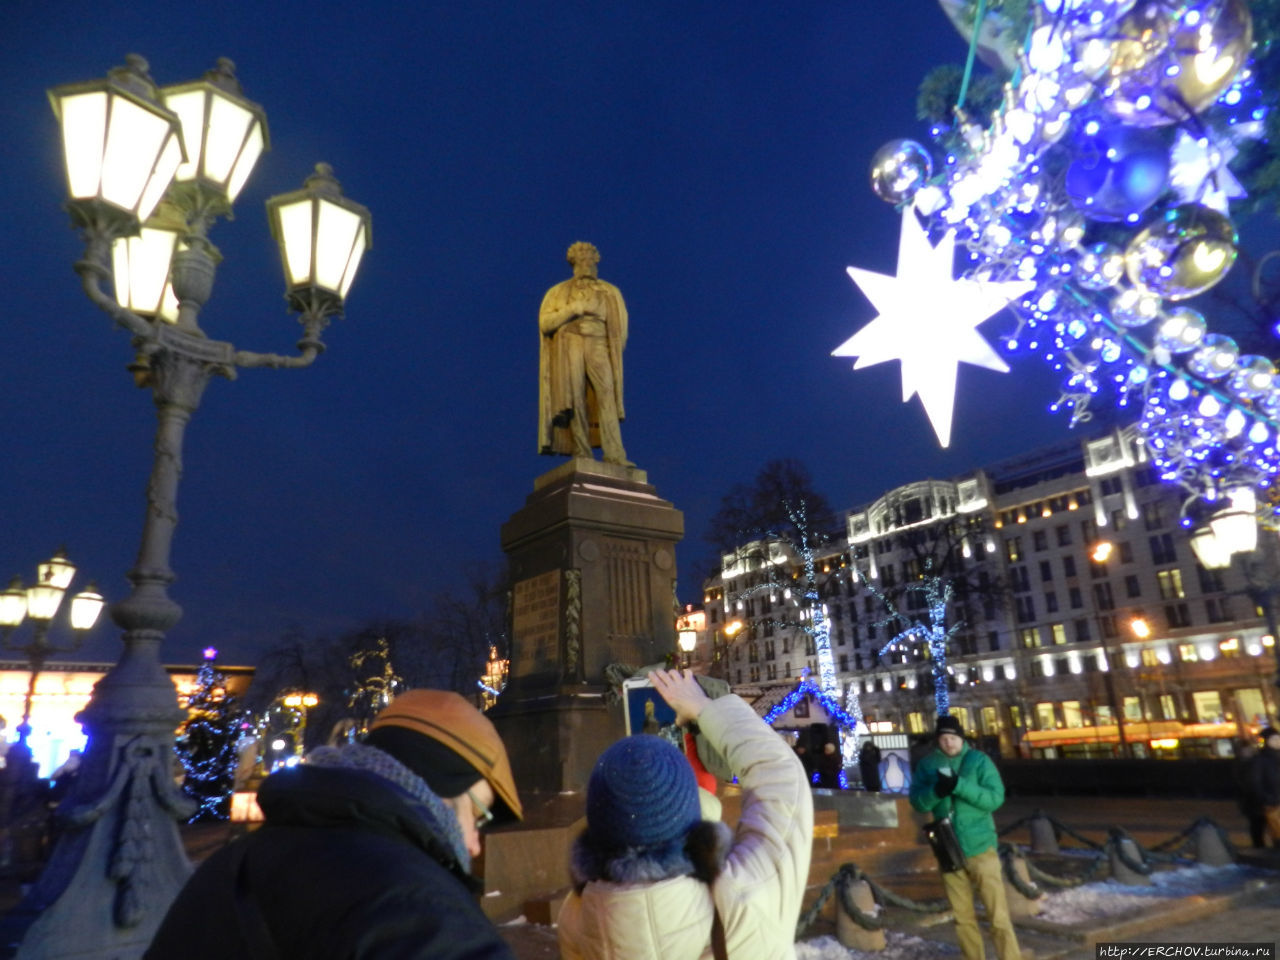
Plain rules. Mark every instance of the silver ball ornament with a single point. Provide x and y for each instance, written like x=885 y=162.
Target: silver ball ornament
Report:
x=1214 y=358
x=1100 y=265
x=1183 y=252
x=899 y=169
x=1181 y=330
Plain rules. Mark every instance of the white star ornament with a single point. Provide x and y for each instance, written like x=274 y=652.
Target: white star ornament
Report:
x=928 y=320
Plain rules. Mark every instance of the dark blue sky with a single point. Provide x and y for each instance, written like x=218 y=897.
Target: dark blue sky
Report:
x=715 y=153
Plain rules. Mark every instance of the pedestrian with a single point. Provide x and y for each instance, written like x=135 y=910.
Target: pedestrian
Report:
x=956 y=781
x=365 y=851
x=1247 y=798
x=829 y=766
x=653 y=881
x=806 y=761
x=1266 y=780
x=869 y=765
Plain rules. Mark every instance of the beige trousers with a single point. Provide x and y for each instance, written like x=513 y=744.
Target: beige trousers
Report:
x=984 y=873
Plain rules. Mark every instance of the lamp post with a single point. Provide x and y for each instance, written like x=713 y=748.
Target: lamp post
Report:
x=688 y=640
x=149 y=171
x=1232 y=531
x=40 y=603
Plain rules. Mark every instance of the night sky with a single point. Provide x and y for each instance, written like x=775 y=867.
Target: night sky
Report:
x=715 y=153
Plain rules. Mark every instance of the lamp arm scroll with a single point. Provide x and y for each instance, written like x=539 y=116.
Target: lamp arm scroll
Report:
x=93 y=269
x=309 y=347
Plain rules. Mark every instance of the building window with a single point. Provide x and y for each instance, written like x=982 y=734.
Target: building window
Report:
x=1210 y=580
x=786 y=668
x=915 y=722
x=1218 y=609
x=1063 y=533
x=844 y=663
x=1040 y=540
x=1050 y=602
x=1102 y=596
x=1075 y=597
x=1045 y=718
x=1088 y=531
x=1107 y=624
x=1071 y=715
x=1153 y=517
x=1019 y=580
x=1046 y=571
x=1178 y=615
x=1167 y=709
x=1059 y=631
x=1132 y=587
x=1029 y=637
x=1013 y=549
x=839 y=636
x=1026 y=609
x=1069 y=566
x=1082 y=631
x=1208 y=706
x=1110 y=485
x=1162 y=549
x=1187 y=653
x=1097 y=570
x=1170 y=582
x=1118 y=520
x=1126 y=551
x=1150 y=658
x=771 y=671
x=993 y=641
x=1133 y=708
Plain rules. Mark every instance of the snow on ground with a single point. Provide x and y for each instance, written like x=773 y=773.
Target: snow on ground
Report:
x=898 y=946
x=1096 y=901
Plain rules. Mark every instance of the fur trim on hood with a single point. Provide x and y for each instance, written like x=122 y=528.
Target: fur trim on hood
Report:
x=702 y=853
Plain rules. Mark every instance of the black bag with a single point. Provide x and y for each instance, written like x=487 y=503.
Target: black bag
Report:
x=945 y=845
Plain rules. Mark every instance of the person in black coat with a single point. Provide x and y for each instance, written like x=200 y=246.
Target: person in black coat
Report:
x=869 y=766
x=365 y=851
x=1266 y=780
x=1246 y=793
x=829 y=765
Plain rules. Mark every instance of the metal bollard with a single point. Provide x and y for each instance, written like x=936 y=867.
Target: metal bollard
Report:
x=1043 y=837
x=1210 y=849
x=1020 y=905
x=1120 y=870
x=848 y=932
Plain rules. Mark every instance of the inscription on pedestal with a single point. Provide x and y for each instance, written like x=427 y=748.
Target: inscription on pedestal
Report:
x=535 y=622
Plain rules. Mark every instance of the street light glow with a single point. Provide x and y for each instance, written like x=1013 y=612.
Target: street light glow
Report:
x=1141 y=629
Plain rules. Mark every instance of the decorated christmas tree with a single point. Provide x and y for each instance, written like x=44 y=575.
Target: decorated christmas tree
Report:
x=206 y=743
x=1090 y=180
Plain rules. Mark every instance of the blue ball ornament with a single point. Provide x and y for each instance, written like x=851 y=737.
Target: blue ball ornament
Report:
x=1117 y=172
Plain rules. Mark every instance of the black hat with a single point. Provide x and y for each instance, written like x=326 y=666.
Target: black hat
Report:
x=949 y=724
x=1267 y=732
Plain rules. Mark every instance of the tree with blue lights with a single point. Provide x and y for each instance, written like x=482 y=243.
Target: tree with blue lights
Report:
x=207 y=743
x=801 y=596
x=931 y=632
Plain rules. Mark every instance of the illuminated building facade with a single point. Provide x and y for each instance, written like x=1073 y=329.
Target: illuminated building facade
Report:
x=1089 y=627
x=63 y=690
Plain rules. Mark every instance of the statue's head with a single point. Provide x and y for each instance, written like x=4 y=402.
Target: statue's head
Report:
x=584 y=257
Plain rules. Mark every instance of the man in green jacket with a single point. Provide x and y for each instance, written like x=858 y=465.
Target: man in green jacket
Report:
x=962 y=783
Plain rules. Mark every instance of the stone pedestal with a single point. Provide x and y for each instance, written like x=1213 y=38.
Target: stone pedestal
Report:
x=592 y=560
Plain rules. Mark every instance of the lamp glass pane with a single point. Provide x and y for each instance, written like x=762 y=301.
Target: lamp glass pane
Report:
x=135 y=137
x=85 y=608
x=84 y=131
x=13 y=607
x=58 y=571
x=43 y=601
x=120 y=269
x=161 y=177
x=295 y=231
x=150 y=254
x=248 y=159
x=335 y=236
x=228 y=124
x=354 y=263
x=168 y=305
x=189 y=106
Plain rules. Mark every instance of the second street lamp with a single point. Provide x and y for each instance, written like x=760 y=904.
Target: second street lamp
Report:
x=40 y=603
x=120 y=862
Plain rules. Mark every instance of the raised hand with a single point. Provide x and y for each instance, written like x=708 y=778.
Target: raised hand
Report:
x=682 y=692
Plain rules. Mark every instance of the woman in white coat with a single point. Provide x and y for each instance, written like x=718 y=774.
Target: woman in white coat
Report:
x=655 y=881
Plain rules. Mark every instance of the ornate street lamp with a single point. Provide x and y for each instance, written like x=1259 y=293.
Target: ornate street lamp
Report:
x=39 y=603
x=149 y=172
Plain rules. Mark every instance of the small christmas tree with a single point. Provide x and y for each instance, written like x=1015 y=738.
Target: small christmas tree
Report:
x=206 y=743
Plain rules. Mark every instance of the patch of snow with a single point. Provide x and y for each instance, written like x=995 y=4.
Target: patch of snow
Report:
x=1096 y=901
x=898 y=946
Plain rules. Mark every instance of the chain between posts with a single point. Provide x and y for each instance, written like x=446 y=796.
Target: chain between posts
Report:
x=841 y=882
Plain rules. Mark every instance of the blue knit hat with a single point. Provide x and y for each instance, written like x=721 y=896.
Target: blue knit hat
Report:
x=642 y=795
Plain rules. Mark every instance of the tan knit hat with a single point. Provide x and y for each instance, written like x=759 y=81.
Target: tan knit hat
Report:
x=449 y=719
